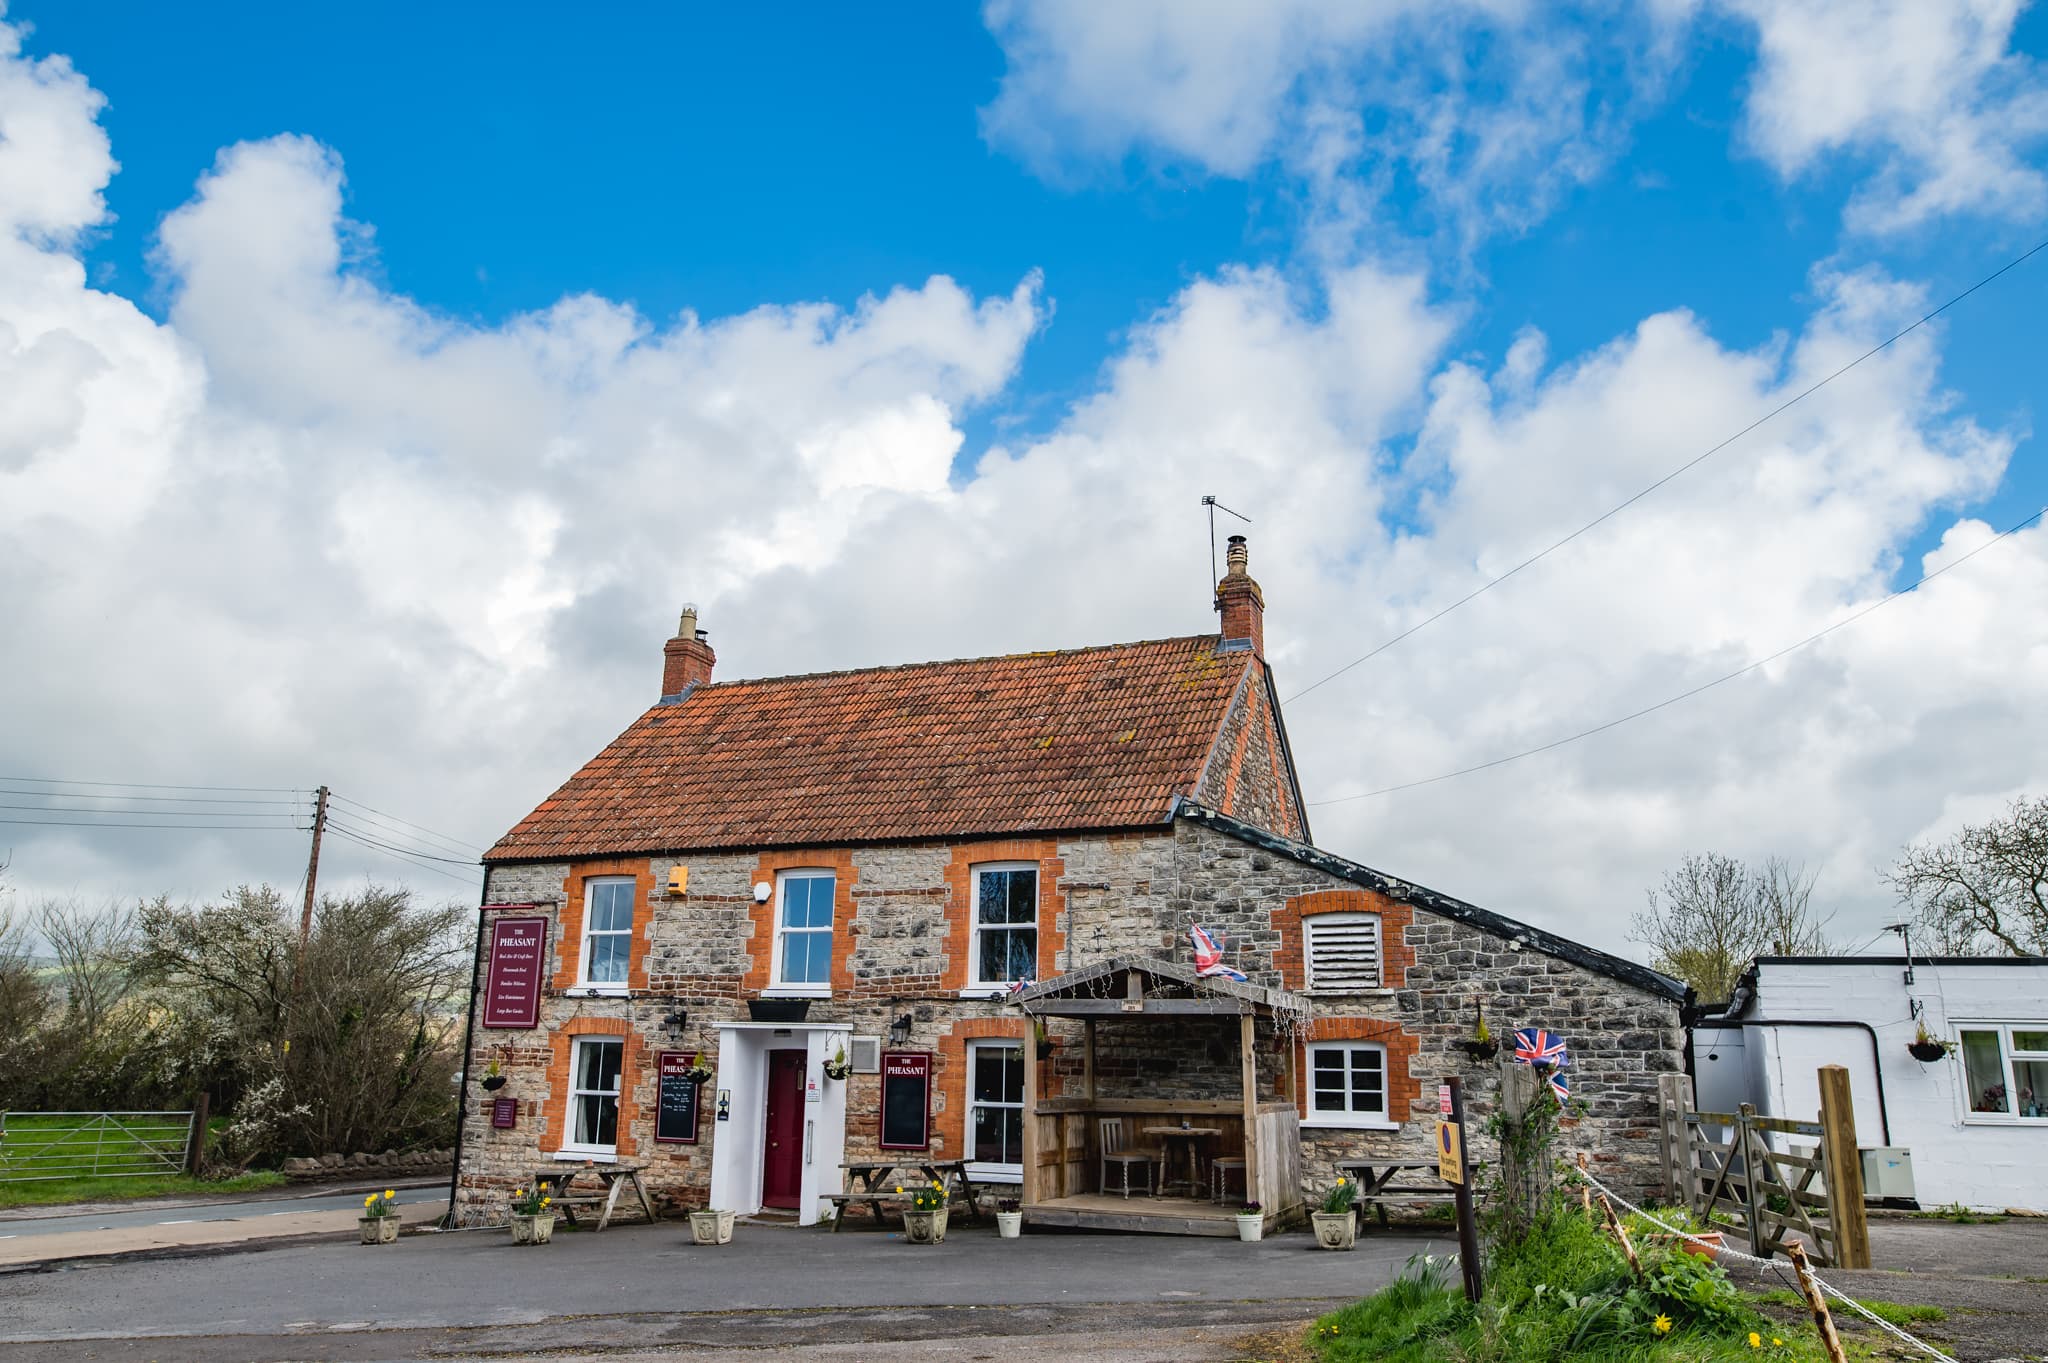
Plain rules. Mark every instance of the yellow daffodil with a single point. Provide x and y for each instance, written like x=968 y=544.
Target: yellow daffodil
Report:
x=1777 y=1343
x=546 y=1201
x=390 y=1192
x=899 y=1187
x=368 y=1200
x=1662 y=1325
x=1756 y=1341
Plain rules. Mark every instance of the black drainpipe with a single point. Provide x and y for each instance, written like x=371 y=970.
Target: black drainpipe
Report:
x=476 y=965
x=1884 y=1122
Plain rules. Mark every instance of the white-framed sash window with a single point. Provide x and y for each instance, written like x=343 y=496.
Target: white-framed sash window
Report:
x=607 y=933
x=995 y=1111
x=593 y=1126
x=803 y=933
x=2005 y=1071
x=1005 y=946
x=1347 y=1084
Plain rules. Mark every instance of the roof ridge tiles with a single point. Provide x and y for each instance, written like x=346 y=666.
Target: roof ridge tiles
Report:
x=954 y=662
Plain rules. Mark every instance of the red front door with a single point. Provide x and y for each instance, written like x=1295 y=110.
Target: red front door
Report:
x=782 y=1163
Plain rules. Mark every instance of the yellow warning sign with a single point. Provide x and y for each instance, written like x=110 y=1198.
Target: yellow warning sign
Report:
x=1450 y=1152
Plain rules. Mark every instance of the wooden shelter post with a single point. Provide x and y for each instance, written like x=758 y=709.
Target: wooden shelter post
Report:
x=1088 y=1059
x=1247 y=1034
x=1029 y=1191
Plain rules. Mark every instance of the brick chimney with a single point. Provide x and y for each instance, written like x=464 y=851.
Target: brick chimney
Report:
x=1241 y=603
x=686 y=660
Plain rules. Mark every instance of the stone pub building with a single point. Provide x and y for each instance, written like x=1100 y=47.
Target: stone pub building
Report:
x=818 y=895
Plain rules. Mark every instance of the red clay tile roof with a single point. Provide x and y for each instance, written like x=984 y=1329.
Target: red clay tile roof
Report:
x=1034 y=742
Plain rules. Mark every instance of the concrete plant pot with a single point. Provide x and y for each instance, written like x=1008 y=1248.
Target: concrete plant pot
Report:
x=1335 y=1230
x=1251 y=1227
x=1009 y=1225
x=711 y=1228
x=533 y=1230
x=925 y=1228
x=378 y=1230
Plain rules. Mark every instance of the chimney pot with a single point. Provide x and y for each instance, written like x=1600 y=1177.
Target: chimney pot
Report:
x=686 y=660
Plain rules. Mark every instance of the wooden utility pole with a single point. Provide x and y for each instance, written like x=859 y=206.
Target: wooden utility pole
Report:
x=312 y=869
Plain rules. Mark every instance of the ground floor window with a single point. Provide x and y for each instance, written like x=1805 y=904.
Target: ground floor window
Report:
x=1347 y=1084
x=594 y=1095
x=2006 y=1068
x=995 y=1110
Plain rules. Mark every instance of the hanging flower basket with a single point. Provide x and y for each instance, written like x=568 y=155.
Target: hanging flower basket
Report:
x=494 y=1083
x=1929 y=1051
x=838 y=1067
x=1479 y=1050
x=699 y=1074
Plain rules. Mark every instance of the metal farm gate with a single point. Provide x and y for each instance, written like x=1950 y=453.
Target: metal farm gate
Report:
x=41 y=1146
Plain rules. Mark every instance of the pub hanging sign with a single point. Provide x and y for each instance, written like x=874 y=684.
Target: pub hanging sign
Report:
x=518 y=963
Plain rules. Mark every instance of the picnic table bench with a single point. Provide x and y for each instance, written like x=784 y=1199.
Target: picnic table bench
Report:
x=875 y=1180
x=1377 y=1187
x=555 y=1182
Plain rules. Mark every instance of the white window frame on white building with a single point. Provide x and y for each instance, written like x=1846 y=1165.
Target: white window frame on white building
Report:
x=1351 y=1115
x=977 y=984
x=574 y=1127
x=606 y=888
x=2010 y=1057
x=811 y=989
x=985 y=1171
x=1343 y=953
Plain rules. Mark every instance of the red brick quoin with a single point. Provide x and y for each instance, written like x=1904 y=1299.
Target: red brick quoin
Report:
x=1395 y=953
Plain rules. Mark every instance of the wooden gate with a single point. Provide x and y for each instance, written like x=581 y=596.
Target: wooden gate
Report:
x=1726 y=1170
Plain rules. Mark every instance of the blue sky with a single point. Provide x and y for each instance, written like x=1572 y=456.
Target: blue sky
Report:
x=1282 y=255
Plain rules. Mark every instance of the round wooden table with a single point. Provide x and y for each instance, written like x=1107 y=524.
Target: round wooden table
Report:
x=1193 y=1136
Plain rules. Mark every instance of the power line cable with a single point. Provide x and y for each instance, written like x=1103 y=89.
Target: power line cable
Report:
x=366 y=835
x=460 y=844
x=151 y=799
x=185 y=827
x=1703 y=686
x=389 y=852
x=159 y=813
x=1701 y=458
x=150 y=785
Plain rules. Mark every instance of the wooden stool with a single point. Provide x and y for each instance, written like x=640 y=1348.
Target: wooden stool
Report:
x=1219 y=1180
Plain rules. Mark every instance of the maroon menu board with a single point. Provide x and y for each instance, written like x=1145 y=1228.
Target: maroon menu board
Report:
x=906 y=1100
x=518 y=963
x=504 y=1113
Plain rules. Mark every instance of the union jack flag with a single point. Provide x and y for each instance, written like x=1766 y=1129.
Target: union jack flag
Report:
x=1537 y=1046
x=1209 y=955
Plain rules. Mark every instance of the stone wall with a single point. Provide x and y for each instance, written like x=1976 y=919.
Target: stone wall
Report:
x=898 y=939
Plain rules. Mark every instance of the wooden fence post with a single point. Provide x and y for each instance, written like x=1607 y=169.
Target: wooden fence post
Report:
x=1844 y=1165
x=195 y=1144
x=1747 y=1141
x=1674 y=1139
x=1620 y=1232
x=1816 y=1303
x=1525 y=1174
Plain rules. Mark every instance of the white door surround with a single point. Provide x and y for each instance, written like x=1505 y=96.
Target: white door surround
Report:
x=737 y=1143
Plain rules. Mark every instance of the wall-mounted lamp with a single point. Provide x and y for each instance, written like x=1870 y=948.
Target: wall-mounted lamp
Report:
x=763 y=892
x=677 y=1020
x=899 y=1030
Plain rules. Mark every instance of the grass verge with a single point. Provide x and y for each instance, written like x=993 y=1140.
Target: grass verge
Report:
x=55 y=1192
x=1896 y=1313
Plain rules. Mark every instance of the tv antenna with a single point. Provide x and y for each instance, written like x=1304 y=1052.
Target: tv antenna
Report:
x=1214 y=507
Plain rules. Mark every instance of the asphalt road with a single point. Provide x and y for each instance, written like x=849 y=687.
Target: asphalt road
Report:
x=641 y=1286
x=117 y=1216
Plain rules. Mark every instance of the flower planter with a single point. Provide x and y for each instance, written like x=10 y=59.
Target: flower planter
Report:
x=711 y=1228
x=533 y=1230
x=1927 y=1051
x=1009 y=1225
x=925 y=1228
x=1479 y=1050
x=1705 y=1245
x=1251 y=1227
x=378 y=1230
x=494 y=1083
x=1335 y=1230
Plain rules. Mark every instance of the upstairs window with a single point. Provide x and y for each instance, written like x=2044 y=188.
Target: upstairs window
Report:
x=803 y=932
x=607 y=932
x=1005 y=943
x=1343 y=952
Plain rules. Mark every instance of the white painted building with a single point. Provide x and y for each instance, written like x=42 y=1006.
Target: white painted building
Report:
x=1975 y=1123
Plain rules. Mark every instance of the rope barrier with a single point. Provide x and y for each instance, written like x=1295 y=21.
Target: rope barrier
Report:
x=1770 y=1264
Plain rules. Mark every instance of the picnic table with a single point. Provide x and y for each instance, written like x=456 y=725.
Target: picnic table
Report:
x=556 y=1180
x=1193 y=1135
x=873 y=1182
x=1377 y=1187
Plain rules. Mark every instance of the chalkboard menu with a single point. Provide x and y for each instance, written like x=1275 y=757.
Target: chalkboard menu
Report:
x=675 y=1115
x=906 y=1100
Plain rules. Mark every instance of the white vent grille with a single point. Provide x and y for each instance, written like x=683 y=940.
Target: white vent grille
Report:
x=1344 y=952
x=867 y=1055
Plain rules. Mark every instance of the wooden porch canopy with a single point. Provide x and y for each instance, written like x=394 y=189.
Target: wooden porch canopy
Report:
x=1059 y=1132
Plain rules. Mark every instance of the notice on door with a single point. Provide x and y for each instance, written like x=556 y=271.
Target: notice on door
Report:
x=906 y=1100
x=517 y=963
x=675 y=1117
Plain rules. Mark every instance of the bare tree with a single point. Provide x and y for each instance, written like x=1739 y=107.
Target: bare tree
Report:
x=94 y=950
x=1713 y=915
x=24 y=998
x=1985 y=890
